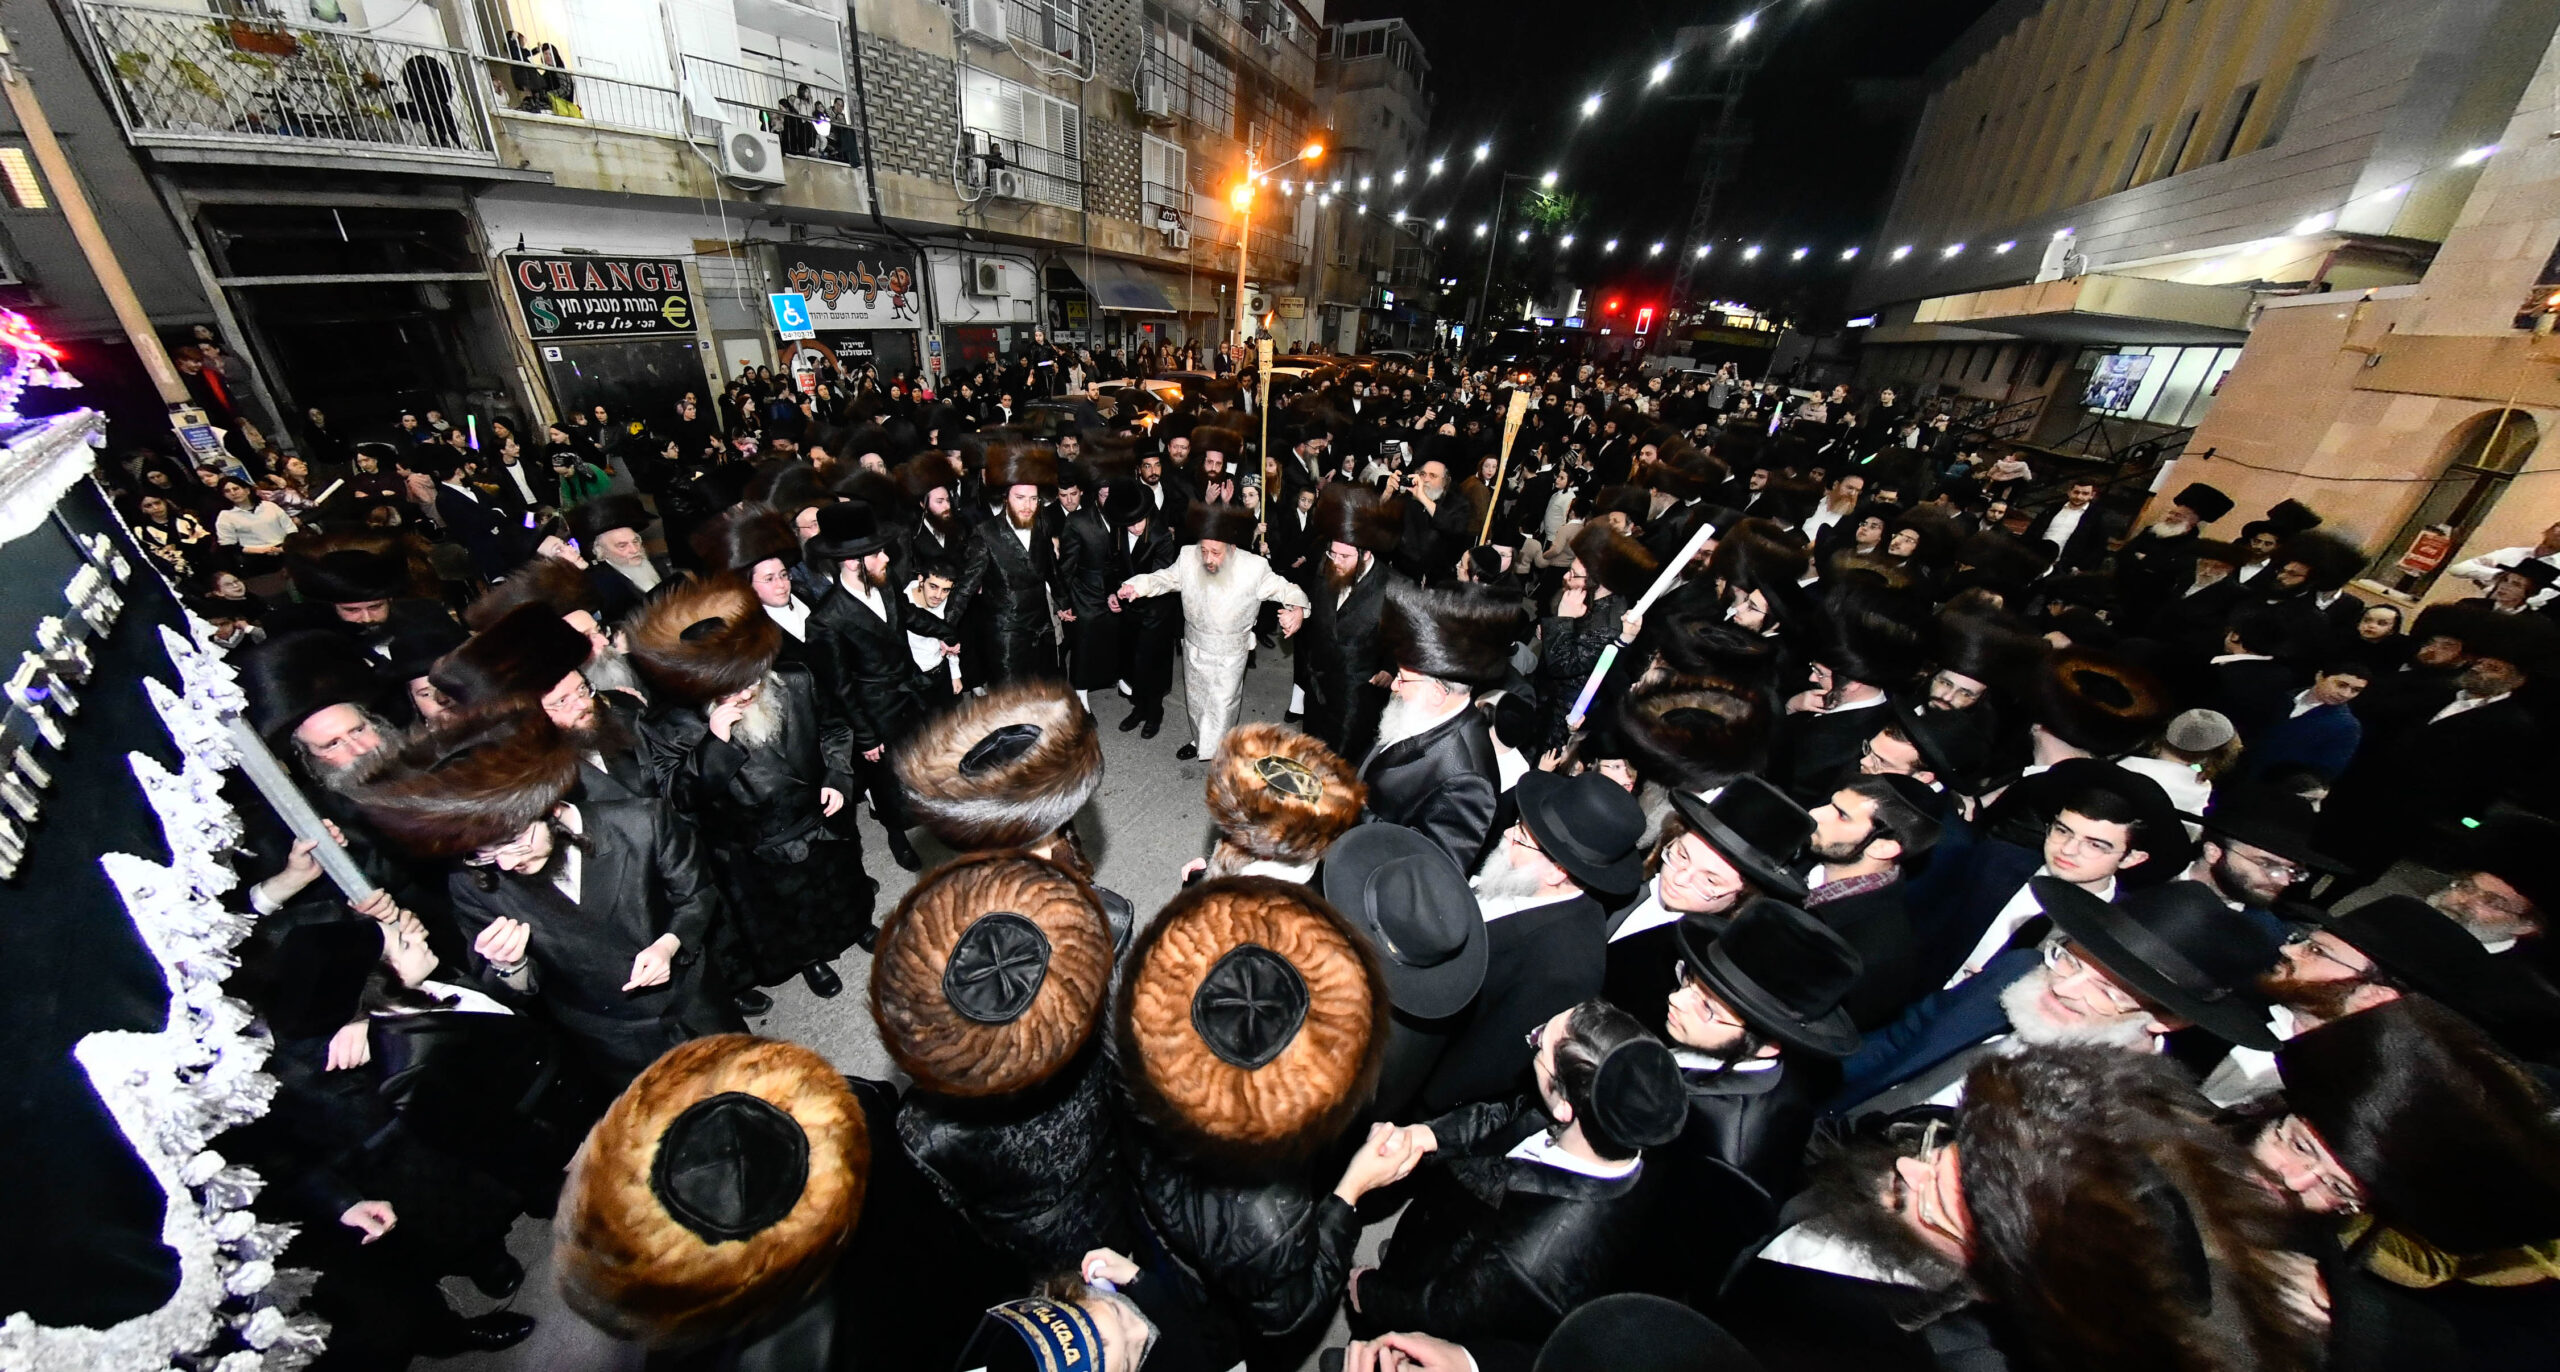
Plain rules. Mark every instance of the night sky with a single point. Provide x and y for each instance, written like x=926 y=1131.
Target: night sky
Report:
x=1829 y=112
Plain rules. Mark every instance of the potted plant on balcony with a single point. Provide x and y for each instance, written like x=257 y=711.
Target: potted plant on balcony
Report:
x=268 y=38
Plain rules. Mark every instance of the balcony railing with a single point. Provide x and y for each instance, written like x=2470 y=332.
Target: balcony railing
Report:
x=563 y=92
x=1052 y=24
x=810 y=125
x=1267 y=246
x=1159 y=197
x=201 y=79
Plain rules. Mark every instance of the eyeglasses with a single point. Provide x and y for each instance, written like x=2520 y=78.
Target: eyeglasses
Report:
x=2270 y=864
x=2064 y=965
x=576 y=691
x=2296 y=1136
x=1684 y=976
x=2308 y=941
x=2469 y=884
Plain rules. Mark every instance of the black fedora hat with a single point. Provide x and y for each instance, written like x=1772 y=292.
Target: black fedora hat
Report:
x=2264 y=817
x=847 y=530
x=1634 y=1332
x=1757 y=827
x=1412 y=900
x=2422 y=948
x=1124 y=501
x=1589 y=825
x=2179 y=947
x=1781 y=970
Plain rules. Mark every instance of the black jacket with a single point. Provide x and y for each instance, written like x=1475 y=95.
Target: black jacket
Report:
x=1877 y=924
x=1039 y=1175
x=1493 y=1247
x=1002 y=600
x=2088 y=540
x=642 y=877
x=861 y=666
x=2255 y=694
x=1537 y=961
x=1441 y=782
x=1092 y=562
x=1814 y=753
x=1338 y=654
x=1274 y=1252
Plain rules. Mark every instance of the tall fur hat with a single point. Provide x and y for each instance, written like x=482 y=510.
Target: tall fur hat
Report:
x=1003 y=769
x=1462 y=634
x=1111 y=456
x=1281 y=796
x=991 y=974
x=1616 y=564
x=593 y=519
x=2450 y=1139
x=1872 y=633
x=918 y=475
x=1224 y=523
x=703 y=638
x=346 y=568
x=1017 y=463
x=1252 y=1023
x=2097 y=702
x=292 y=677
x=1349 y=512
x=717 y=1190
x=2291 y=517
x=2122 y=1229
x=1696 y=738
x=523 y=654
x=785 y=482
x=544 y=581
x=2333 y=560
x=475 y=779
x=1985 y=649
x=1218 y=438
x=2208 y=502
x=1689 y=475
x=739 y=537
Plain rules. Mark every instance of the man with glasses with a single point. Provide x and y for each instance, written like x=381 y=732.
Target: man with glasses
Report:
x=1710 y=860
x=2111 y=975
x=2107 y=824
x=2257 y=846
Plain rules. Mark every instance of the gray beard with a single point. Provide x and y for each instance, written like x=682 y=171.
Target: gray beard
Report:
x=2034 y=1026
x=1401 y=720
x=762 y=723
x=611 y=671
x=1499 y=880
x=643 y=573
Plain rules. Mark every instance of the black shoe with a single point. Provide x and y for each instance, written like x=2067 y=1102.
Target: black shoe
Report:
x=752 y=1002
x=499 y=1278
x=1133 y=721
x=1292 y=717
x=822 y=979
x=1148 y=730
x=1186 y=753
x=486 y=1334
x=904 y=853
x=868 y=938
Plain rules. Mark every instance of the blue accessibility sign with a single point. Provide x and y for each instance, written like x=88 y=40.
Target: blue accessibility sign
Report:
x=791 y=315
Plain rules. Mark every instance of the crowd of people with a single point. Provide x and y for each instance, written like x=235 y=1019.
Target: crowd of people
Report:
x=1747 y=878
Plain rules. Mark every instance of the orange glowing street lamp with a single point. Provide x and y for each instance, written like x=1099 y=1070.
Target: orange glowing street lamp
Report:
x=1241 y=196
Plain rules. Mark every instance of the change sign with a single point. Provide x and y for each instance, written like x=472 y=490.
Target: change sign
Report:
x=575 y=296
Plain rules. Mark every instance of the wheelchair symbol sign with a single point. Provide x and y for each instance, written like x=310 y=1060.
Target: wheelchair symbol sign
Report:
x=791 y=315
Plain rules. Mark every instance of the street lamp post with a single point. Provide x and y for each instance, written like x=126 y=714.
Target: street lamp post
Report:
x=1484 y=297
x=1242 y=198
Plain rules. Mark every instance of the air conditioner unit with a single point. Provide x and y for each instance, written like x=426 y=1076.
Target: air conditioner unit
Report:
x=1178 y=239
x=983 y=20
x=1005 y=183
x=987 y=277
x=1156 y=97
x=751 y=156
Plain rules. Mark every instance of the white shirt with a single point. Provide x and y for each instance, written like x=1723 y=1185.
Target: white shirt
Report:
x=2485 y=568
x=573 y=863
x=1500 y=907
x=792 y=616
x=2463 y=704
x=2066 y=521
x=1823 y=517
x=465 y=1000
x=1542 y=1149
x=2246 y=1072
x=1801 y=1247
x=1284 y=871
x=2021 y=908
x=1649 y=913
x=868 y=595
x=515 y=473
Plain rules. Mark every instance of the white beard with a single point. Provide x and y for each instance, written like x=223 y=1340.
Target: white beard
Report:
x=643 y=573
x=2027 y=1016
x=611 y=671
x=762 y=723
x=1499 y=880
x=1403 y=718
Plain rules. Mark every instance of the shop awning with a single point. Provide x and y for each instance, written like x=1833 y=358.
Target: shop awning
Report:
x=1119 y=286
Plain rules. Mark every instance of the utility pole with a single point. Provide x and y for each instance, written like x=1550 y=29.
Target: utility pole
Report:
x=85 y=229
x=1484 y=297
x=1716 y=157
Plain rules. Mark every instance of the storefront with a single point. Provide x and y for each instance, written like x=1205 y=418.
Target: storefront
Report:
x=867 y=306
x=621 y=332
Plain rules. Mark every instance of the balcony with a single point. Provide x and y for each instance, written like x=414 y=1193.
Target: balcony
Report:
x=810 y=125
x=200 y=80
x=1051 y=24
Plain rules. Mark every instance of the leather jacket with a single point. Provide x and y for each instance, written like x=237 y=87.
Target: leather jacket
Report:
x=1039 y=1175
x=1002 y=598
x=1276 y=1251
x=1442 y=782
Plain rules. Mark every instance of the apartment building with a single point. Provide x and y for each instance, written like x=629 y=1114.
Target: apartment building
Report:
x=521 y=206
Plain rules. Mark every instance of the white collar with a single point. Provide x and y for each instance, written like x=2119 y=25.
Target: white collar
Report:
x=1801 y=1247
x=1285 y=871
x=1494 y=909
x=2242 y=657
x=1542 y=1149
x=1649 y=913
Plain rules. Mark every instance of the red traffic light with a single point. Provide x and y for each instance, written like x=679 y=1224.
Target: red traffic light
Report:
x=1612 y=306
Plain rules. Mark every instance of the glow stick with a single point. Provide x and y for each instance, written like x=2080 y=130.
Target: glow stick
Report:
x=1662 y=584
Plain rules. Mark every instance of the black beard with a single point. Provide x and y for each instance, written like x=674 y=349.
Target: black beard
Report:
x=606 y=737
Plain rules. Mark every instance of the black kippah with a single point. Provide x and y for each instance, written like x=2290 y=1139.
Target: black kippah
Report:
x=701 y=629
x=730 y=1167
x=996 y=968
x=1250 y=1006
x=1636 y=1095
x=999 y=748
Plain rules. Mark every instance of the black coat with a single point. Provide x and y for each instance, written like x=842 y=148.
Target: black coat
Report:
x=1154 y=630
x=2088 y=540
x=1275 y=1252
x=792 y=879
x=1441 y=782
x=1040 y=1176
x=1879 y=927
x=1538 y=961
x=1493 y=1247
x=1093 y=560
x=1814 y=753
x=2391 y=801
x=2255 y=694
x=538 y=475
x=1338 y=655
x=1002 y=602
x=495 y=542
x=1739 y=1154
x=642 y=877
x=862 y=668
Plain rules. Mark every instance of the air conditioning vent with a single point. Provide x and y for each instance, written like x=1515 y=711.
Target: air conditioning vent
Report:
x=1156 y=98
x=983 y=20
x=1005 y=183
x=751 y=156
x=987 y=277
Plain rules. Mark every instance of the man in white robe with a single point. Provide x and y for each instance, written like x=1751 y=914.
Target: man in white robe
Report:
x=1223 y=584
